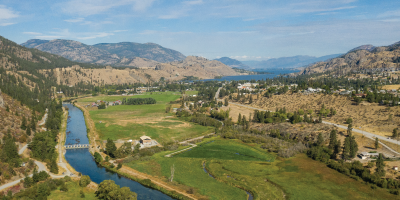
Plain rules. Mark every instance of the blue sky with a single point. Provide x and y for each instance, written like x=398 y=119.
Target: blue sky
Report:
x=241 y=29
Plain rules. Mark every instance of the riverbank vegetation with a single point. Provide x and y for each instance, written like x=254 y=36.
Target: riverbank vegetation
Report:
x=43 y=143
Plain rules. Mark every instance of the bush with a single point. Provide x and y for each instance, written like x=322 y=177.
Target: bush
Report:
x=84 y=181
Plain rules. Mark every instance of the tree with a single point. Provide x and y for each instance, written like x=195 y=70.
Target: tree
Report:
x=376 y=143
x=97 y=157
x=119 y=166
x=320 y=118
x=23 y=123
x=239 y=121
x=346 y=149
x=28 y=130
x=110 y=147
x=336 y=150
x=353 y=147
x=395 y=134
x=109 y=190
x=226 y=102
x=380 y=166
x=320 y=140
x=84 y=181
x=349 y=120
x=349 y=129
x=251 y=99
x=332 y=139
x=137 y=148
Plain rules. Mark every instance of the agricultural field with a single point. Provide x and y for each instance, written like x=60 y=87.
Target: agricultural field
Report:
x=294 y=178
x=72 y=193
x=132 y=121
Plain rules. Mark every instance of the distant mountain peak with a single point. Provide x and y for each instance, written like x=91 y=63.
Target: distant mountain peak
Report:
x=368 y=47
x=232 y=62
x=117 y=54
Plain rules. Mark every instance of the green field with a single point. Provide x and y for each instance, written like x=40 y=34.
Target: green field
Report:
x=133 y=121
x=73 y=193
x=226 y=150
x=294 y=178
x=189 y=171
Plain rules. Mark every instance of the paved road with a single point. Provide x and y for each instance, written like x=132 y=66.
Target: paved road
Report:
x=369 y=135
x=22 y=149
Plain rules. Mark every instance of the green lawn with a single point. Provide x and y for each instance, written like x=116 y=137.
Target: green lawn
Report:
x=73 y=193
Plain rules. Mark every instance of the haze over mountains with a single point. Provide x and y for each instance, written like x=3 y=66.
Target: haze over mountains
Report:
x=276 y=63
x=117 y=54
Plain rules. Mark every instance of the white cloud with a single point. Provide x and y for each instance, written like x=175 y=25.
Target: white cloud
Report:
x=6 y=24
x=32 y=33
x=7 y=13
x=117 y=31
x=93 y=7
x=195 y=2
x=66 y=34
x=74 y=20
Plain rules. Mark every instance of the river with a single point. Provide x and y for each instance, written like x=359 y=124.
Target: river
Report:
x=82 y=161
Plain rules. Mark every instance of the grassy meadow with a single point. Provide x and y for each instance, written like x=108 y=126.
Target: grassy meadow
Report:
x=73 y=193
x=133 y=121
x=294 y=178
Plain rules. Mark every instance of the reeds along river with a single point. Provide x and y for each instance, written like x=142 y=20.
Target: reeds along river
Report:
x=82 y=161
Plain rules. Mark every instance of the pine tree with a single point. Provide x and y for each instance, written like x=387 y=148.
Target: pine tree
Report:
x=380 y=166
x=23 y=123
x=346 y=149
x=349 y=129
x=332 y=139
x=376 y=143
x=28 y=130
x=239 y=119
x=320 y=140
x=395 y=134
x=353 y=147
x=336 y=150
x=251 y=99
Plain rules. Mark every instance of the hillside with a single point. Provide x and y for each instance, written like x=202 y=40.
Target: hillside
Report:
x=131 y=50
x=363 y=57
x=192 y=66
x=232 y=63
x=288 y=62
x=117 y=54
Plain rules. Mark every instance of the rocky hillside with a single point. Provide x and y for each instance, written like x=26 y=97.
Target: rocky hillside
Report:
x=365 y=57
x=233 y=63
x=117 y=54
x=192 y=66
x=131 y=50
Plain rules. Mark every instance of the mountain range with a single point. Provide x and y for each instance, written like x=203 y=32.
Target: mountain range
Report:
x=287 y=62
x=116 y=54
x=362 y=57
x=232 y=63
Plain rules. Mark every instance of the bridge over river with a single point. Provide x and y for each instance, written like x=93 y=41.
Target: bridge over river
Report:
x=77 y=146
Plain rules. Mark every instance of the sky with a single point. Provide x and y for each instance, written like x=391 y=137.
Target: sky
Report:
x=239 y=29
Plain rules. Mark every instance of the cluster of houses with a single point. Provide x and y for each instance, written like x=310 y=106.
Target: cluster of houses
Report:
x=247 y=86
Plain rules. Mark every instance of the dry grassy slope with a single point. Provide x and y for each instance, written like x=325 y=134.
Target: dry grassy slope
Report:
x=370 y=116
x=381 y=57
x=191 y=66
x=9 y=120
